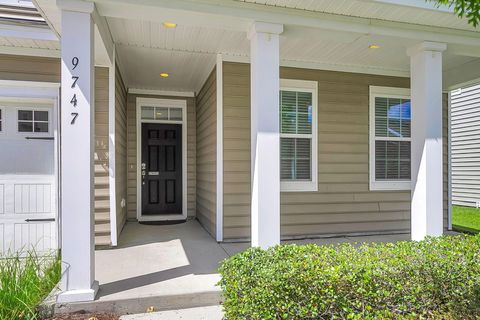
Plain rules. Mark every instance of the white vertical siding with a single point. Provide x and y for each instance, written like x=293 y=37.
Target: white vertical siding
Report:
x=465 y=130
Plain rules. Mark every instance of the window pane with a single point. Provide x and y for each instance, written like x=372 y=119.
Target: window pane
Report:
x=175 y=114
x=305 y=102
x=25 y=126
x=289 y=122
x=41 y=115
x=0 y=114
x=25 y=115
x=392 y=160
x=295 y=159
x=304 y=123
x=147 y=113
x=41 y=126
x=288 y=101
x=161 y=113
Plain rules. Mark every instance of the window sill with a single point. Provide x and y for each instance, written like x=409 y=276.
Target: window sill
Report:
x=390 y=185
x=298 y=186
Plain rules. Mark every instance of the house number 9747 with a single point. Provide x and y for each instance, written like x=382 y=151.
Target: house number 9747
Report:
x=73 y=101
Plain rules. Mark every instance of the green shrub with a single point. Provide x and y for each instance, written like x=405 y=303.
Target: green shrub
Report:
x=25 y=280
x=438 y=278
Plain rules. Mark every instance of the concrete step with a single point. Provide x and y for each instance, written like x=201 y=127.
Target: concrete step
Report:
x=142 y=304
x=199 y=313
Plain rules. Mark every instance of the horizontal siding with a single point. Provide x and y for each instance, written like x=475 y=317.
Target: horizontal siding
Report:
x=120 y=150
x=101 y=159
x=206 y=153
x=132 y=154
x=27 y=68
x=343 y=204
x=465 y=131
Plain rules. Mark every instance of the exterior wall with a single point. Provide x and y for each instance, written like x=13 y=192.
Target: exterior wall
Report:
x=465 y=109
x=343 y=204
x=132 y=153
x=102 y=195
x=26 y=68
x=206 y=153
x=120 y=150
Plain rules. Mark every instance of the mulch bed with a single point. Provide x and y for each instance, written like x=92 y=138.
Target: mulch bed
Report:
x=84 y=316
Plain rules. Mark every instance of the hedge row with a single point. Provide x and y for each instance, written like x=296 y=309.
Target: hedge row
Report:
x=438 y=278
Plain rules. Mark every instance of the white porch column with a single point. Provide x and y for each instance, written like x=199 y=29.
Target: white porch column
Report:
x=427 y=164
x=77 y=146
x=265 y=134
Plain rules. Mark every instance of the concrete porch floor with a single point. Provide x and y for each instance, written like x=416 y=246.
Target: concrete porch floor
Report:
x=170 y=267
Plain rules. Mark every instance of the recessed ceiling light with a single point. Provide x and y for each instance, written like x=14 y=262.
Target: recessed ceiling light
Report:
x=374 y=46
x=164 y=75
x=168 y=24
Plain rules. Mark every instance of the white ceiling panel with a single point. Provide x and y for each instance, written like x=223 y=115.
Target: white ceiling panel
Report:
x=142 y=67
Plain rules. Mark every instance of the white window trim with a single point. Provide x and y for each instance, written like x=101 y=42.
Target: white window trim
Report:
x=2 y=120
x=390 y=92
x=312 y=87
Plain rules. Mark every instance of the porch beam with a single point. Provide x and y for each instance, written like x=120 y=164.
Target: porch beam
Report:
x=265 y=133
x=427 y=137
x=77 y=146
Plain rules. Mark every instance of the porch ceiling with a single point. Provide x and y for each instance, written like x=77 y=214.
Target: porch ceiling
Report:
x=324 y=34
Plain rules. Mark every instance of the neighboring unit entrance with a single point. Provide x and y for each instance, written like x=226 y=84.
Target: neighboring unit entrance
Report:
x=161 y=159
x=161 y=169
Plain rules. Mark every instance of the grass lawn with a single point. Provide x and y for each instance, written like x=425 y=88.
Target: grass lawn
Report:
x=466 y=218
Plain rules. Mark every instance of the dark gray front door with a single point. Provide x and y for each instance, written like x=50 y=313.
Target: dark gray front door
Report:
x=161 y=168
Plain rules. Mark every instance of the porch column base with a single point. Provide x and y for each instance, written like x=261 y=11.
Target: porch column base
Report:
x=79 y=295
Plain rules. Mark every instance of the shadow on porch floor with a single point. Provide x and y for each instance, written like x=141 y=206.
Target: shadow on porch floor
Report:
x=170 y=267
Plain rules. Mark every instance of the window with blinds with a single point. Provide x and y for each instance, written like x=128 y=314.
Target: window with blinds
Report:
x=297 y=137
x=390 y=130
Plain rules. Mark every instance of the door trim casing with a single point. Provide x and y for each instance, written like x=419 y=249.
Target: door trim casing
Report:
x=154 y=102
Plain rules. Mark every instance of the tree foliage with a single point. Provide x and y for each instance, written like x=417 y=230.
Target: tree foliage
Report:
x=469 y=9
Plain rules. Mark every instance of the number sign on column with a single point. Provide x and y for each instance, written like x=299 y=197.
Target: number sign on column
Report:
x=73 y=101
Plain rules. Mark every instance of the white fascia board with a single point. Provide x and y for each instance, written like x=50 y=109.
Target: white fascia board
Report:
x=239 y=16
x=35 y=33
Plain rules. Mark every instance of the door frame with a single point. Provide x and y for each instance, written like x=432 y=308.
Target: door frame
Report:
x=170 y=103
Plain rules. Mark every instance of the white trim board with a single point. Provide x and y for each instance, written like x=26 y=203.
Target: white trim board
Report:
x=328 y=66
x=219 y=159
x=161 y=92
x=112 y=152
x=170 y=104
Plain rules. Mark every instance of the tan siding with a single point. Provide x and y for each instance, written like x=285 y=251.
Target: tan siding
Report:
x=343 y=204
x=120 y=150
x=132 y=154
x=206 y=154
x=102 y=195
x=26 y=68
